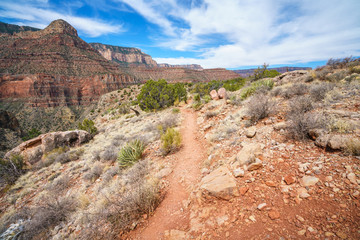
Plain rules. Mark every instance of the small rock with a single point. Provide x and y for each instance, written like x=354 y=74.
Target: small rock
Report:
x=222 y=93
x=312 y=230
x=301 y=232
x=239 y=172
x=254 y=166
x=261 y=206
x=356 y=194
x=270 y=183
x=352 y=178
x=307 y=181
x=214 y=95
x=341 y=235
x=300 y=218
x=252 y=218
x=329 y=234
x=163 y=173
x=250 y=132
x=274 y=214
x=289 y=179
x=328 y=178
x=243 y=190
x=303 y=193
x=177 y=234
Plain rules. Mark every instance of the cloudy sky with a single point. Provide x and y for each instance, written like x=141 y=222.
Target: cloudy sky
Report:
x=232 y=34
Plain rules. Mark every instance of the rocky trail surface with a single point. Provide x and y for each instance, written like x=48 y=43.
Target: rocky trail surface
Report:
x=173 y=213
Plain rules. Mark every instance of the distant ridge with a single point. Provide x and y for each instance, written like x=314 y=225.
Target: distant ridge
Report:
x=248 y=72
x=11 y=28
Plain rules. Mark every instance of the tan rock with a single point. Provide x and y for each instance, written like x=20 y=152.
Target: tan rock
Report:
x=219 y=183
x=352 y=178
x=248 y=153
x=222 y=93
x=270 y=183
x=250 y=132
x=289 y=179
x=214 y=95
x=254 y=166
x=307 y=181
x=274 y=214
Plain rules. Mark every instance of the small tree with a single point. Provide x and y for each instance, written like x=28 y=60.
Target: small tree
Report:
x=11 y=169
x=88 y=125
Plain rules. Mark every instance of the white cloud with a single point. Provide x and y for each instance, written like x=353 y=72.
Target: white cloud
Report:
x=40 y=17
x=255 y=31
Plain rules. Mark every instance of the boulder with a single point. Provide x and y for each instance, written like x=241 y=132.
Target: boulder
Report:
x=33 y=149
x=250 y=132
x=332 y=141
x=222 y=93
x=220 y=183
x=292 y=77
x=248 y=153
x=214 y=95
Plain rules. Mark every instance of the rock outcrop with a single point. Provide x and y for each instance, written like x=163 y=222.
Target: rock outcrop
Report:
x=293 y=77
x=33 y=149
x=126 y=56
x=188 y=66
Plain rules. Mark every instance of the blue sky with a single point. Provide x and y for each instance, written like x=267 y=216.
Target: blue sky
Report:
x=233 y=34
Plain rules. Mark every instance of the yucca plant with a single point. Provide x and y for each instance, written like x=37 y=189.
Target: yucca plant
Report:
x=130 y=154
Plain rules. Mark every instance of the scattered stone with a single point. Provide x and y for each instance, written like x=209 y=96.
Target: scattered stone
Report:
x=261 y=206
x=303 y=193
x=252 y=218
x=254 y=166
x=220 y=183
x=270 y=183
x=356 y=194
x=214 y=95
x=311 y=230
x=352 y=178
x=239 y=172
x=300 y=218
x=221 y=220
x=248 y=153
x=301 y=232
x=329 y=234
x=328 y=178
x=307 y=181
x=341 y=235
x=289 y=179
x=243 y=190
x=250 y=132
x=280 y=126
x=274 y=214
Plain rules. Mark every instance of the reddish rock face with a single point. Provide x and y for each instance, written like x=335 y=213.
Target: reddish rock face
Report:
x=41 y=90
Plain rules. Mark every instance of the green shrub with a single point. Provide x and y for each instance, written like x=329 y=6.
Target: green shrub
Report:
x=130 y=154
x=175 y=110
x=197 y=97
x=33 y=133
x=124 y=108
x=170 y=141
x=234 y=84
x=353 y=147
x=11 y=169
x=88 y=125
x=156 y=95
x=255 y=86
x=207 y=98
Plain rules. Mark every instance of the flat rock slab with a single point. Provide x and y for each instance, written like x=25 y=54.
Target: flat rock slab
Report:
x=220 y=183
x=307 y=181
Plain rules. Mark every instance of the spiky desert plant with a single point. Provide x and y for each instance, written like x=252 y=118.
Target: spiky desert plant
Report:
x=130 y=153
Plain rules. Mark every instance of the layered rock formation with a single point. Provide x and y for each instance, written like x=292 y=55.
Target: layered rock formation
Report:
x=125 y=56
x=248 y=72
x=11 y=28
x=188 y=66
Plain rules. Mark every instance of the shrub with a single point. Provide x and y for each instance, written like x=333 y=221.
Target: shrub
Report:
x=51 y=212
x=300 y=105
x=197 y=97
x=300 y=125
x=318 y=91
x=353 y=147
x=130 y=153
x=88 y=125
x=234 y=84
x=341 y=126
x=156 y=95
x=321 y=73
x=175 y=110
x=33 y=133
x=335 y=63
x=170 y=141
x=11 y=169
x=94 y=173
x=259 y=107
x=109 y=154
x=197 y=106
x=210 y=114
x=267 y=84
x=124 y=108
x=337 y=76
x=295 y=90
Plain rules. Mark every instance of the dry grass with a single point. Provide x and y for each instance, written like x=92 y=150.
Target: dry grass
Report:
x=260 y=106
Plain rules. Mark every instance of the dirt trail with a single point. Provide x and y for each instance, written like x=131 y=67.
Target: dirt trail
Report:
x=171 y=213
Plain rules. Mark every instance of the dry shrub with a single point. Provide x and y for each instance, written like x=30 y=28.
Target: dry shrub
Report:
x=318 y=91
x=51 y=211
x=300 y=125
x=321 y=73
x=109 y=154
x=259 y=107
x=170 y=141
x=94 y=173
x=120 y=212
x=337 y=76
x=295 y=90
x=210 y=114
x=300 y=105
x=60 y=184
x=353 y=147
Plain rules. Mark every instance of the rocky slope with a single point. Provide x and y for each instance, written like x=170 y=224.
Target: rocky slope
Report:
x=12 y=28
x=188 y=66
